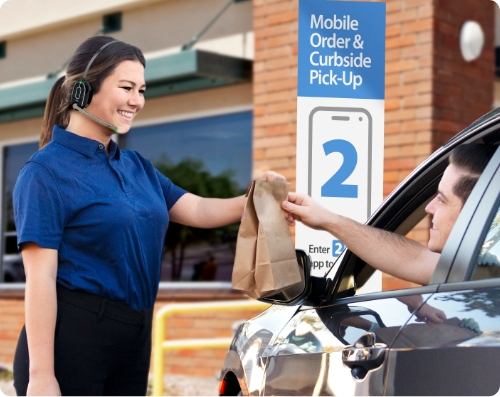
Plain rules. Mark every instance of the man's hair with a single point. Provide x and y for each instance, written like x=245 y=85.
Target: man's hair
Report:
x=472 y=159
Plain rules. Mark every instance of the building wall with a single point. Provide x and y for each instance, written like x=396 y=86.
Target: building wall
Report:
x=463 y=91
x=39 y=16
x=39 y=52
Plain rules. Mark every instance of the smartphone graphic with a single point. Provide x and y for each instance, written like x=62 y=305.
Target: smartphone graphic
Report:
x=340 y=160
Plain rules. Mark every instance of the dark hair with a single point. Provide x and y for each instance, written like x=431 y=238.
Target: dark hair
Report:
x=57 y=109
x=472 y=159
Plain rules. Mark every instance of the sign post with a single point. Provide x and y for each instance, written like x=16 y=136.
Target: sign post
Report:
x=340 y=115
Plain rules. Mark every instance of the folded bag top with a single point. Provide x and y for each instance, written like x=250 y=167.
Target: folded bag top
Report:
x=265 y=262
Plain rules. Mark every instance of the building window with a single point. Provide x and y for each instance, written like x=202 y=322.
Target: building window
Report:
x=211 y=157
x=3 y=49
x=14 y=157
x=112 y=22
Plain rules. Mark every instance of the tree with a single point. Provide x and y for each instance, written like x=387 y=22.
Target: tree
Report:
x=192 y=176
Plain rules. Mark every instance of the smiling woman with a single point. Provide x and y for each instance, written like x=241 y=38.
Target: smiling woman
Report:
x=91 y=222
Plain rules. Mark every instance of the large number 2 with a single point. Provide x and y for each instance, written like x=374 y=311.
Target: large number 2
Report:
x=335 y=187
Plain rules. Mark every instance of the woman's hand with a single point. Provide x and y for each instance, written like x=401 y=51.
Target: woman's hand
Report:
x=43 y=385
x=271 y=176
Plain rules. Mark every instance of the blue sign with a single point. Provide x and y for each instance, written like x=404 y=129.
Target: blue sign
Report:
x=337 y=248
x=341 y=49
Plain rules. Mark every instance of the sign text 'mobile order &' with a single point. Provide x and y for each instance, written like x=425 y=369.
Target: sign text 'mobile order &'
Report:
x=342 y=49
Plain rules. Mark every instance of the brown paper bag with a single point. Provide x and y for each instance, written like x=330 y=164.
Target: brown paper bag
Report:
x=265 y=261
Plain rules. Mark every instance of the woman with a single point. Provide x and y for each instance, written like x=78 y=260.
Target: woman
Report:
x=91 y=220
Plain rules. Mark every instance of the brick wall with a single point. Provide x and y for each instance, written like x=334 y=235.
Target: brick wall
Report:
x=11 y=323
x=463 y=91
x=275 y=86
x=204 y=362
x=408 y=99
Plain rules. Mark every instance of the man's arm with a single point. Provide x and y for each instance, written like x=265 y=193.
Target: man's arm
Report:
x=385 y=251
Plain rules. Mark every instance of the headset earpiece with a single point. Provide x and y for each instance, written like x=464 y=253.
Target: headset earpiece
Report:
x=81 y=94
x=82 y=91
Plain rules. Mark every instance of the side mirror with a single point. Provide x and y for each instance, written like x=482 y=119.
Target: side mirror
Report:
x=352 y=325
x=295 y=294
x=310 y=291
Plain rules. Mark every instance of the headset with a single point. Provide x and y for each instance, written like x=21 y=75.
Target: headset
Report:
x=81 y=96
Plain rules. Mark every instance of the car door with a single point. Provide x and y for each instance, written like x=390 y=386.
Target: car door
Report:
x=306 y=358
x=462 y=355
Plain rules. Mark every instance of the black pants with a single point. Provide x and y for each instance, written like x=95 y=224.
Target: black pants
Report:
x=102 y=348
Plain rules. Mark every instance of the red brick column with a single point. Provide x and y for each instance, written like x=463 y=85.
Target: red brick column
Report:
x=275 y=86
x=463 y=91
x=408 y=99
x=431 y=92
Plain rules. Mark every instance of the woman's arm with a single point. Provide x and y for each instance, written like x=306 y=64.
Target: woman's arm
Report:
x=195 y=211
x=40 y=265
x=192 y=210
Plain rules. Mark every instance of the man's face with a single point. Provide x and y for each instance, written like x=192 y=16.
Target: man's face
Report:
x=444 y=208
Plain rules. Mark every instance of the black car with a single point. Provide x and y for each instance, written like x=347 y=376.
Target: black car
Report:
x=329 y=338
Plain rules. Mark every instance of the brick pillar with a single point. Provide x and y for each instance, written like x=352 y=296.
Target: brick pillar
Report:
x=463 y=91
x=275 y=86
x=431 y=92
x=408 y=99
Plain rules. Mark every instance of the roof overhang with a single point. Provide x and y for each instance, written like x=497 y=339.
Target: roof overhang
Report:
x=170 y=74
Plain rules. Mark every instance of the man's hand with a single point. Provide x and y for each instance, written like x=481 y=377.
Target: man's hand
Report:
x=303 y=208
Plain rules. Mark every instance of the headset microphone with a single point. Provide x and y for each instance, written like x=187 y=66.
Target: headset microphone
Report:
x=81 y=96
x=97 y=120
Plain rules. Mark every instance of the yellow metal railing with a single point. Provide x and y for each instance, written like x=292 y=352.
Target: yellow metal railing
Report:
x=160 y=345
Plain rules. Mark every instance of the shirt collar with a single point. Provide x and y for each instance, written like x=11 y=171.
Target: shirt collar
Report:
x=83 y=145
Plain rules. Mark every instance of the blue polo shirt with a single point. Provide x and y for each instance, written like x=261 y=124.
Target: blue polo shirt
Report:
x=106 y=215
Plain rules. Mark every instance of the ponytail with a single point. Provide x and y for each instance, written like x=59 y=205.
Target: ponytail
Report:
x=56 y=112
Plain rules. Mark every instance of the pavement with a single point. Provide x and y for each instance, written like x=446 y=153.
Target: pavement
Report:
x=178 y=385
x=175 y=385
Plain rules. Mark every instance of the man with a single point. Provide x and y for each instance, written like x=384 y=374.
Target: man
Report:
x=390 y=252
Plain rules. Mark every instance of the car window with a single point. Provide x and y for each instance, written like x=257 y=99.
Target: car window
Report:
x=488 y=260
